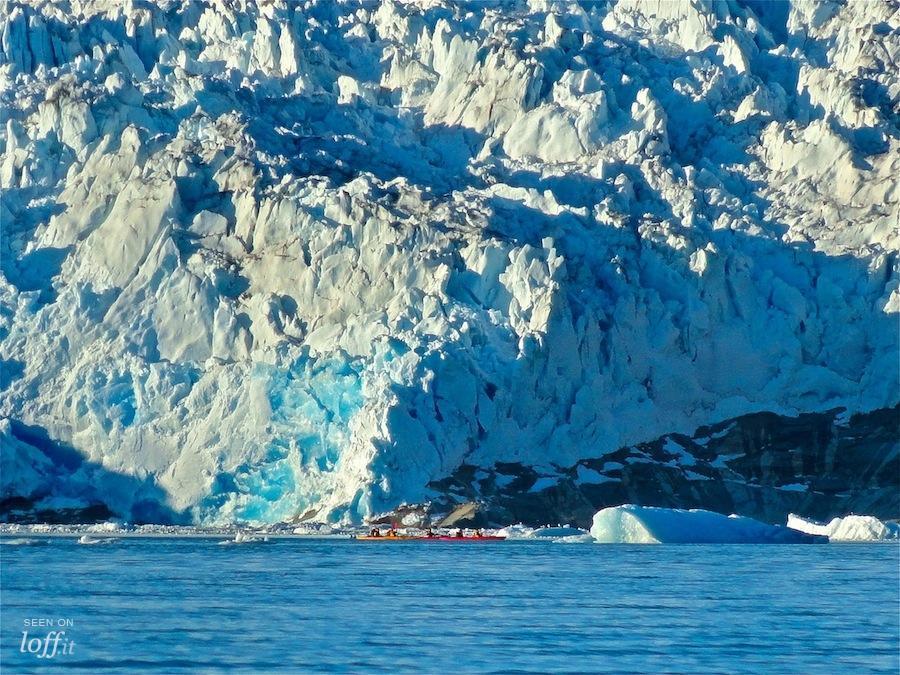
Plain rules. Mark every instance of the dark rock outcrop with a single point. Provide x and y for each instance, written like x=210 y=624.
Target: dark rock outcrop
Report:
x=762 y=465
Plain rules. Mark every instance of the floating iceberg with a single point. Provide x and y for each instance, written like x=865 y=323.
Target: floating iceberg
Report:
x=88 y=540
x=520 y=531
x=848 y=528
x=241 y=537
x=517 y=531
x=630 y=524
x=557 y=532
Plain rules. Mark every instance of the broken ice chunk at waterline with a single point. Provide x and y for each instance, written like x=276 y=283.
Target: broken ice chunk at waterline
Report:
x=630 y=524
x=557 y=532
x=848 y=528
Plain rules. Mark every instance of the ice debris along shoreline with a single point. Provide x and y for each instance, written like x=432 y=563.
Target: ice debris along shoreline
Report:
x=264 y=260
x=626 y=524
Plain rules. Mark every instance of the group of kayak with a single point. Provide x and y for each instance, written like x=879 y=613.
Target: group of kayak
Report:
x=393 y=535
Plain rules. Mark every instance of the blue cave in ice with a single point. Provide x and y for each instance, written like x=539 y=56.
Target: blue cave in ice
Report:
x=311 y=404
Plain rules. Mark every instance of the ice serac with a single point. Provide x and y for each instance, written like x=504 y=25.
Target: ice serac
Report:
x=629 y=524
x=286 y=260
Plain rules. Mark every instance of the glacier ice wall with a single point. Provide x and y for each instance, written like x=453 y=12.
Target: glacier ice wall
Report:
x=303 y=258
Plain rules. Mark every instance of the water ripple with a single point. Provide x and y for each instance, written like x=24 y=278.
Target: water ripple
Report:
x=319 y=606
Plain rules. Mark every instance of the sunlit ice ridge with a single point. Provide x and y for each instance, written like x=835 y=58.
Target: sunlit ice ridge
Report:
x=268 y=262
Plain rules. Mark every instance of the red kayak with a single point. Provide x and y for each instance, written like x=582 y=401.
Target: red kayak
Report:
x=436 y=538
x=450 y=538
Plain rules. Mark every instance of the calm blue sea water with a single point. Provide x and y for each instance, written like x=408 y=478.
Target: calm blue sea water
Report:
x=172 y=605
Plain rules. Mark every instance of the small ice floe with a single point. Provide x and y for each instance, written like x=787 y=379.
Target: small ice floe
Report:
x=549 y=533
x=848 y=528
x=241 y=537
x=630 y=524
x=88 y=540
x=517 y=531
x=557 y=532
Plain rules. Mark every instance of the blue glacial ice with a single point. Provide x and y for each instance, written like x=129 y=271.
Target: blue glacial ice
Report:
x=304 y=258
x=311 y=405
x=629 y=524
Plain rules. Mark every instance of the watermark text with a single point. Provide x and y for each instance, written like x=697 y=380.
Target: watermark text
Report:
x=49 y=644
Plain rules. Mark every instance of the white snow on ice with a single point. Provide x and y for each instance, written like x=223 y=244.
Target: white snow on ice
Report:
x=848 y=528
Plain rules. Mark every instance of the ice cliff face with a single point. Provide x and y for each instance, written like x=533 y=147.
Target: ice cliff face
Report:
x=265 y=261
